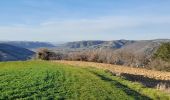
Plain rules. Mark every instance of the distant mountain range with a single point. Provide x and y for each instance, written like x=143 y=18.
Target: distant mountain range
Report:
x=20 y=50
x=29 y=44
x=146 y=47
x=98 y=44
x=13 y=53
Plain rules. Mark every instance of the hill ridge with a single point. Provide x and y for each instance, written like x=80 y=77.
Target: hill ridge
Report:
x=13 y=53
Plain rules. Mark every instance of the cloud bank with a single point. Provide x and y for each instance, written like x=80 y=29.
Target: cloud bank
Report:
x=105 y=28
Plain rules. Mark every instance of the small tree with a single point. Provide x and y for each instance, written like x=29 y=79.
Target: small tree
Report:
x=43 y=54
x=161 y=58
x=163 y=52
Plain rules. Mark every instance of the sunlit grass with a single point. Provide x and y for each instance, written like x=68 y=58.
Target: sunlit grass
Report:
x=46 y=80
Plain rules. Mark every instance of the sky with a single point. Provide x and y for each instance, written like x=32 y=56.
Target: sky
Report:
x=75 y=20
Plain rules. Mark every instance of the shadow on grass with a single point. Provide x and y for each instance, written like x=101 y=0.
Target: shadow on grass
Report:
x=148 y=82
x=127 y=90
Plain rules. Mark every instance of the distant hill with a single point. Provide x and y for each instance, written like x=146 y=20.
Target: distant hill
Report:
x=146 y=47
x=82 y=44
x=29 y=44
x=143 y=47
x=13 y=53
x=97 y=44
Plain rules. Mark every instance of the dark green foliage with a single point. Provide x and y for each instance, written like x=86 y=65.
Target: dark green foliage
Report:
x=45 y=54
x=163 y=52
x=161 y=58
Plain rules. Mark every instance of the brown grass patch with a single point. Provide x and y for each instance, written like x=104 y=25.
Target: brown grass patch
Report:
x=149 y=78
x=159 y=75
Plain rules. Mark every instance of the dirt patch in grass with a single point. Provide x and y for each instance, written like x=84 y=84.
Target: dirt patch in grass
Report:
x=122 y=69
x=149 y=78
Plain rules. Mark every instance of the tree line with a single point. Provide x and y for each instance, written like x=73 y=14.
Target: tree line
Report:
x=160 y=60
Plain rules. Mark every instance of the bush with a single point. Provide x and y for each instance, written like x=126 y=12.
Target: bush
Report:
x=161 y=59
x=110 y=57
x=163 y=52
x=45 y=54
x=159 y=64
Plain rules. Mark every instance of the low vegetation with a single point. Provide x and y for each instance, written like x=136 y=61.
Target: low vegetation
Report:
x=98 y=55
x=159 y=60
x=45 y=54
x=47 y=80
x=163 y=52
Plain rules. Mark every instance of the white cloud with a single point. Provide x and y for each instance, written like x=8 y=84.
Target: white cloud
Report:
x=89 y=25
x=78 y=29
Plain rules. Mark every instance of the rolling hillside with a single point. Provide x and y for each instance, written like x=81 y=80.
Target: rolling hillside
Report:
x=13 y=53
x=145 y=47
x=29 y=44
x=142 y=47
x=47 y=80
x=97 y=44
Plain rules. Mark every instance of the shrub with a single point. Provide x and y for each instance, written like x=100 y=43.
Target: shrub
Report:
x=163 y=52
x=93 y=56
x=159 y=64
x=45 y=54
x=161 y=58
x=107 y=56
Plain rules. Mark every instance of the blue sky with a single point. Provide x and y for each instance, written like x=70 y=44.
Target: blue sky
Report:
x=74 y=20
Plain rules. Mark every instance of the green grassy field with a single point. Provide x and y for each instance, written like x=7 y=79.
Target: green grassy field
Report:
x=47 y=80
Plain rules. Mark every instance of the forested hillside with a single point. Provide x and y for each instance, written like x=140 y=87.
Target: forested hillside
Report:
x=13 y=53
x=29 y=44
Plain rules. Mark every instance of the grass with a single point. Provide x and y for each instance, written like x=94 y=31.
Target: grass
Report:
x=47 y=80
x=158 y=75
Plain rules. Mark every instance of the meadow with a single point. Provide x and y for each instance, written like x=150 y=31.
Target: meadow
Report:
x=50 y=80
